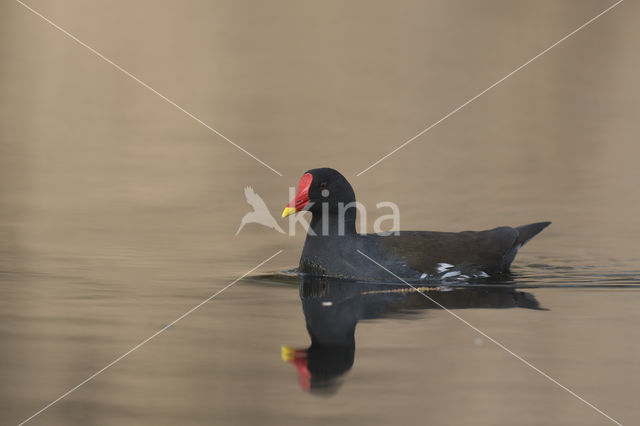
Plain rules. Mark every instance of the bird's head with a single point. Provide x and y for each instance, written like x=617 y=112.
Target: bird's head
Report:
x=320 y=186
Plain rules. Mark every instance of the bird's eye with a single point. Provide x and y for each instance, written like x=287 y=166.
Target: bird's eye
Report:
x=323 y=185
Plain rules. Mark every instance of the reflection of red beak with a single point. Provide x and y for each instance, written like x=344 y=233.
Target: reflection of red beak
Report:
x=302 y=197
x=298 y=357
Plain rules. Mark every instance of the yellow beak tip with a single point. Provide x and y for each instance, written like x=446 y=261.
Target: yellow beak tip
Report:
x=288 y=210
x=288 y=353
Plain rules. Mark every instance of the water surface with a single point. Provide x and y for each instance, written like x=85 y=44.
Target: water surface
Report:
x=118 y=213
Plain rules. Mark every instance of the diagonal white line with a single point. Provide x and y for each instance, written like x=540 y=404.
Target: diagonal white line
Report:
x=163 y=329
x=491 y=87
x=145 y=85
x=500 y=345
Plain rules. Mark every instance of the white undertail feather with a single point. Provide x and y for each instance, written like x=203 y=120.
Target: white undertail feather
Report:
x=444 y=266
x=451 y=274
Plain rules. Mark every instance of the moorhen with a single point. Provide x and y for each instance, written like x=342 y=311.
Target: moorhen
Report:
x=333 y=248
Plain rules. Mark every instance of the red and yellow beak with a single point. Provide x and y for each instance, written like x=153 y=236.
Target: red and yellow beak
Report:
x=298 y=357
x=301 y=199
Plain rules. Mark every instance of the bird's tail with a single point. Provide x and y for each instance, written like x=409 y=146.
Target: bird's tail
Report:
x=527 y=232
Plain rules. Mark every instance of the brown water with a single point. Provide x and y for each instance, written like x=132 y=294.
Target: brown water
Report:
x=118 y=211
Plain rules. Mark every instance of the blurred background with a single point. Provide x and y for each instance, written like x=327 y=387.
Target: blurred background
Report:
x=118 y=211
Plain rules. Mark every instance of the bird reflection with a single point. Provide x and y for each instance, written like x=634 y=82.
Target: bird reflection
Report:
x=332 y=309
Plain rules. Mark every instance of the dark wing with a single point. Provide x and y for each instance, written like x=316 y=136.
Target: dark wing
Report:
x=423 y=250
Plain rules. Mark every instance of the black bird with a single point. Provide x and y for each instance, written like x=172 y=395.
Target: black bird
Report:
x=333 y=248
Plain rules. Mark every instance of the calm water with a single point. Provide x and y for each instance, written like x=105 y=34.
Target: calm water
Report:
x=118 y=213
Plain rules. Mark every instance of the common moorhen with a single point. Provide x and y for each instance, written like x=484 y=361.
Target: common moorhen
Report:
x=333 y=248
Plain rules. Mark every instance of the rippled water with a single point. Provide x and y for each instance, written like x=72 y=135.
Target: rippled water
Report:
x=118 y=212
